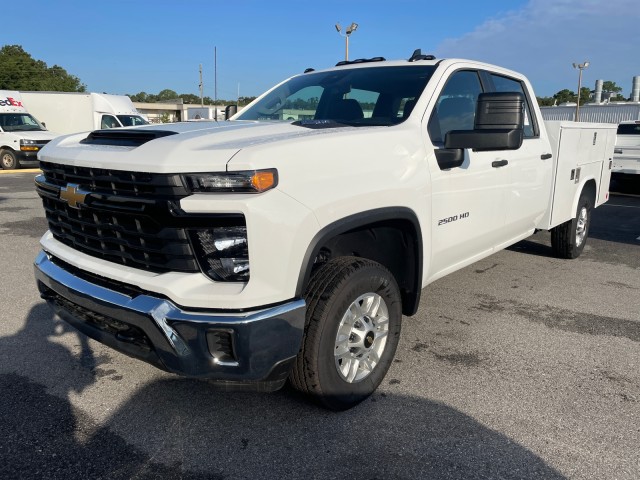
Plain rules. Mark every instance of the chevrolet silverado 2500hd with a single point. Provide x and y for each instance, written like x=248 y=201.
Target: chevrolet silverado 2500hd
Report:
x=288 y=242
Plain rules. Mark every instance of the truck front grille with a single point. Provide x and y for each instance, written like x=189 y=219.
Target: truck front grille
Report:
x=115 y=182
x=125 y=217
x=133 y=240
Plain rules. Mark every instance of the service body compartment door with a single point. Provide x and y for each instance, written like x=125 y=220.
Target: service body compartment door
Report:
x=582 y=152
x=605 y=175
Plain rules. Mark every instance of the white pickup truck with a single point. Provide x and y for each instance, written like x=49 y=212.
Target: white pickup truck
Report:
x=626 y=157
x=288 y=242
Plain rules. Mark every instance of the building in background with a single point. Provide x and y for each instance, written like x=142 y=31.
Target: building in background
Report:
x=602 y=110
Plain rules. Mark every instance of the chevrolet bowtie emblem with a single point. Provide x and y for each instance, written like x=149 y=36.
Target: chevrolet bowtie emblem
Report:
x=73 y=195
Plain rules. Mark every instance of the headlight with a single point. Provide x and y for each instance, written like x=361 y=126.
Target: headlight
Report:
x=222 y=252
x=251 y=181
x=29 y=145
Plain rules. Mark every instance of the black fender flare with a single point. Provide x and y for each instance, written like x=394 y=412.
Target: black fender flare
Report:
x=360 y=220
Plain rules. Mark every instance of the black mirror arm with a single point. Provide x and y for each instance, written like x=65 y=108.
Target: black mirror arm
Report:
x=449 y=158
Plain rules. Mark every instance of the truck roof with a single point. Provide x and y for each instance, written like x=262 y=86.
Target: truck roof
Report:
x=429 y=60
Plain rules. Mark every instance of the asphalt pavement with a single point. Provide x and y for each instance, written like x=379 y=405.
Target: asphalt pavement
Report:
x=520 y=366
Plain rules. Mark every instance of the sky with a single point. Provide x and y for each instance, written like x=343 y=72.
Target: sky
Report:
x=125 y=47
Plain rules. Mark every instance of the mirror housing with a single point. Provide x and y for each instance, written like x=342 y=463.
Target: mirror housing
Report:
x=498 y=125
x=230 y=111
x=449 y=158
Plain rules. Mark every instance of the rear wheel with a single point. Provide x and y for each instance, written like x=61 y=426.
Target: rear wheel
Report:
x=353 y=327
x=8 y=160
x=568 y=239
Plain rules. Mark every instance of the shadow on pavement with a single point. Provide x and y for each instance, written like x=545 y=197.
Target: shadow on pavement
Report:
x=180 y=428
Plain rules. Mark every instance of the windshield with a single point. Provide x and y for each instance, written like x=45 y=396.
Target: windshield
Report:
x=353 y=96
x=132 y=120
x=19 y=122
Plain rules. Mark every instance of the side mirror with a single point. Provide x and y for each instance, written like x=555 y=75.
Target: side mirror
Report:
x=44 y=124
x=499 y=124
x=229 y=111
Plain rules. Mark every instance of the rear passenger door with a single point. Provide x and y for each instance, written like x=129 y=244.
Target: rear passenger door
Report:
x=528 y=176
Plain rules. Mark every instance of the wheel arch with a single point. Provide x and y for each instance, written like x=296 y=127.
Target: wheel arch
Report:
x=589 y=188
x=378 y=235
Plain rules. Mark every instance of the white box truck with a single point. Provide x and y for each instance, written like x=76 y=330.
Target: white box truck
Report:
x=21 y=135
x=263 y=249
x=72 y=112
x=205 y=113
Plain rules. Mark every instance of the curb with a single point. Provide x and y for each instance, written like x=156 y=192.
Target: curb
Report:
x=21 y=170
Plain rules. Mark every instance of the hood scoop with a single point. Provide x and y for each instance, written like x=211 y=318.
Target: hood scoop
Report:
x=124 y=137
x=319 y=124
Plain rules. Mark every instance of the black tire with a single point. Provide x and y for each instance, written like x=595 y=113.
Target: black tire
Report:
x=569 y=238
x=332 y=292
x=8 y=160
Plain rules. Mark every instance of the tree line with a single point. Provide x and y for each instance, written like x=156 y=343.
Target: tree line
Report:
x=168 y=95
x=609 y=89
x=20 y=71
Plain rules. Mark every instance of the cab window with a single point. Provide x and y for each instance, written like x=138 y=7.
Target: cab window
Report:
x=505 y=84
x=456 y=105
x=109 y=121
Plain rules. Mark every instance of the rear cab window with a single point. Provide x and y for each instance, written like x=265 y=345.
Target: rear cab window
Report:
x=506 y=84
x=629 y=128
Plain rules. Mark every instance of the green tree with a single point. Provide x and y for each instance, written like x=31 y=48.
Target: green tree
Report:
x=545 y=101
x=166 y=95
x=585 y=95
x=613 y=90
x=565 y=95
x=610 y=87
x=190 y=98
x=20 y=71
x=245 y=100
x=140 y=97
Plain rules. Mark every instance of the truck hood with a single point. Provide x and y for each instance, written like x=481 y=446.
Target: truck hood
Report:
x=194 y=146
x=37 y=135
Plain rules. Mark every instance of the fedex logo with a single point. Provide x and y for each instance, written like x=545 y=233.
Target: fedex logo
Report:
x=10 y=102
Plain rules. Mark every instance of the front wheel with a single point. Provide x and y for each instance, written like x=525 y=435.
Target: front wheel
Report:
x=8 y=160
x=568 y=239
x=354 y=312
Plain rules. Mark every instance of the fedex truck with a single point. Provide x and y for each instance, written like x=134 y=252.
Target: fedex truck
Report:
x=73 y=112
x=21 y=135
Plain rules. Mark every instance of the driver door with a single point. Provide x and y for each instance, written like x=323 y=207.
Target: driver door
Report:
x=467 y=202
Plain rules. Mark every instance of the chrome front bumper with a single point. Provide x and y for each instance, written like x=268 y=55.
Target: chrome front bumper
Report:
x=238 y=349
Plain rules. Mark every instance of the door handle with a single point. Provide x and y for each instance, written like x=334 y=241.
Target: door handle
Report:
x=545 y=156
x=499 y=163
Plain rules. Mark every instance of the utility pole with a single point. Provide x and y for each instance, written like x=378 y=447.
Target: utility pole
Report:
x=201 y=88
x=215 y=82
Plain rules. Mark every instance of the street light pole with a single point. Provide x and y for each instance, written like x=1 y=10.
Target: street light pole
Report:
x=350 y=29
x=579 y=66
